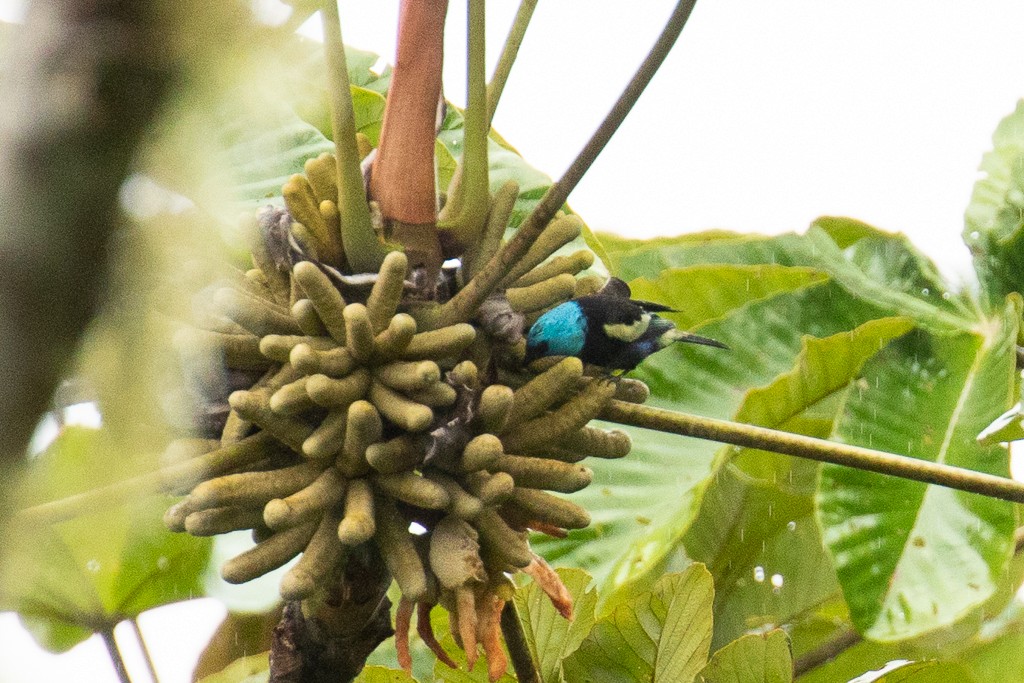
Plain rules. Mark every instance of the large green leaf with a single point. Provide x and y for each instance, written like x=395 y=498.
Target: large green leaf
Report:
x=755 y=527
x=251 y=669
x=994 y=219
x=660 y=636
x=643 y=504
x=94 y=571
x=754 y=658
x=912 y=557
x=816 y=250
x=550 y=636
x=702 y=293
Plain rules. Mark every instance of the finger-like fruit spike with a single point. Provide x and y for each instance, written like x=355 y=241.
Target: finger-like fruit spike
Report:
x=589 y=284
x=259 y=316
x=492 y=489
x=304 y=207
x=542 y=295
x=268 y=555
x=497 y=220
x=359 y=523
x=598 y=443
x=455 y=554
x=392 y=342
x=253 y=489
x=440 y=343
x=500 y=539
x=322 y=173
x=307 y=503
x=408 y=376
x=221 y=520
x=549 y=582
x=338 y=393
x=413 y=489
x=399 y=454
x=336 y=362
x=542 y=473
x=550 y=509
x=549 y=388
x=306 y=316
x=490 y=628
x=238 y=350
x=291 y=399
x=326 y=440
x=437 y=395
x=481 y=453
x=574 y=414
x=387 y=290
x=279 y=346
x=398 y=551
x=495 y=406
x=407 y=414
x=358 y=332
x=557 y=234
x=363 y=427
x=326 y=298
x=571 y=264
x=462 y=504
x=321 y=554
x=254 y=406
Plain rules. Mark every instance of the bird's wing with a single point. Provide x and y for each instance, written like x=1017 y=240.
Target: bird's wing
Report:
x=621 y=319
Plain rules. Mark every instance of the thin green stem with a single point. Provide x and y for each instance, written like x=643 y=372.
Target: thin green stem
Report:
x=464 y=304
x=826 y=652
x=146 y=654
x=810 y=448
x=508 y=56
x=363 y=251
x=518 y=649
x=116 y=659
x=469 y=194
x=171 y=478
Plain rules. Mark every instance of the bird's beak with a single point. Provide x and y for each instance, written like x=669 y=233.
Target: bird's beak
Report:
x=691 y=338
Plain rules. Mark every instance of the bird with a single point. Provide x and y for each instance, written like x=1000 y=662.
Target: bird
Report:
x=608 y=329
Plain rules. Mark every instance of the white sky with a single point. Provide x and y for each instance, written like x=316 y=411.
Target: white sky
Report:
x=766 y=115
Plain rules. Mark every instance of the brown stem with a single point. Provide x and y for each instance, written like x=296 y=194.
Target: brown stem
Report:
x=808 y=447
x=402 y=181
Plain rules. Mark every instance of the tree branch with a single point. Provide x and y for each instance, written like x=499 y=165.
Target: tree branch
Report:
x=462 y=306
x=518 y=650
x=508 y=56
x=810 y=448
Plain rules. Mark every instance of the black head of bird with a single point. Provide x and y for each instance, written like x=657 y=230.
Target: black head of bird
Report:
x=608 y=329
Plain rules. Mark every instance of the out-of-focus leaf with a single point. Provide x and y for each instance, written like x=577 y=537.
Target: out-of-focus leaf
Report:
x=910 y=568
x=380 y=674
x=251 y=669
x=893 y=260
x=700 y=294
x=994 y=219
x=816 y=250
x=549 y=635
x=660 y=636
x=239 y=634
x=1007 y=427
x=94 y=571
x=755 y=528
x=754 y=658
x=927 y=672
